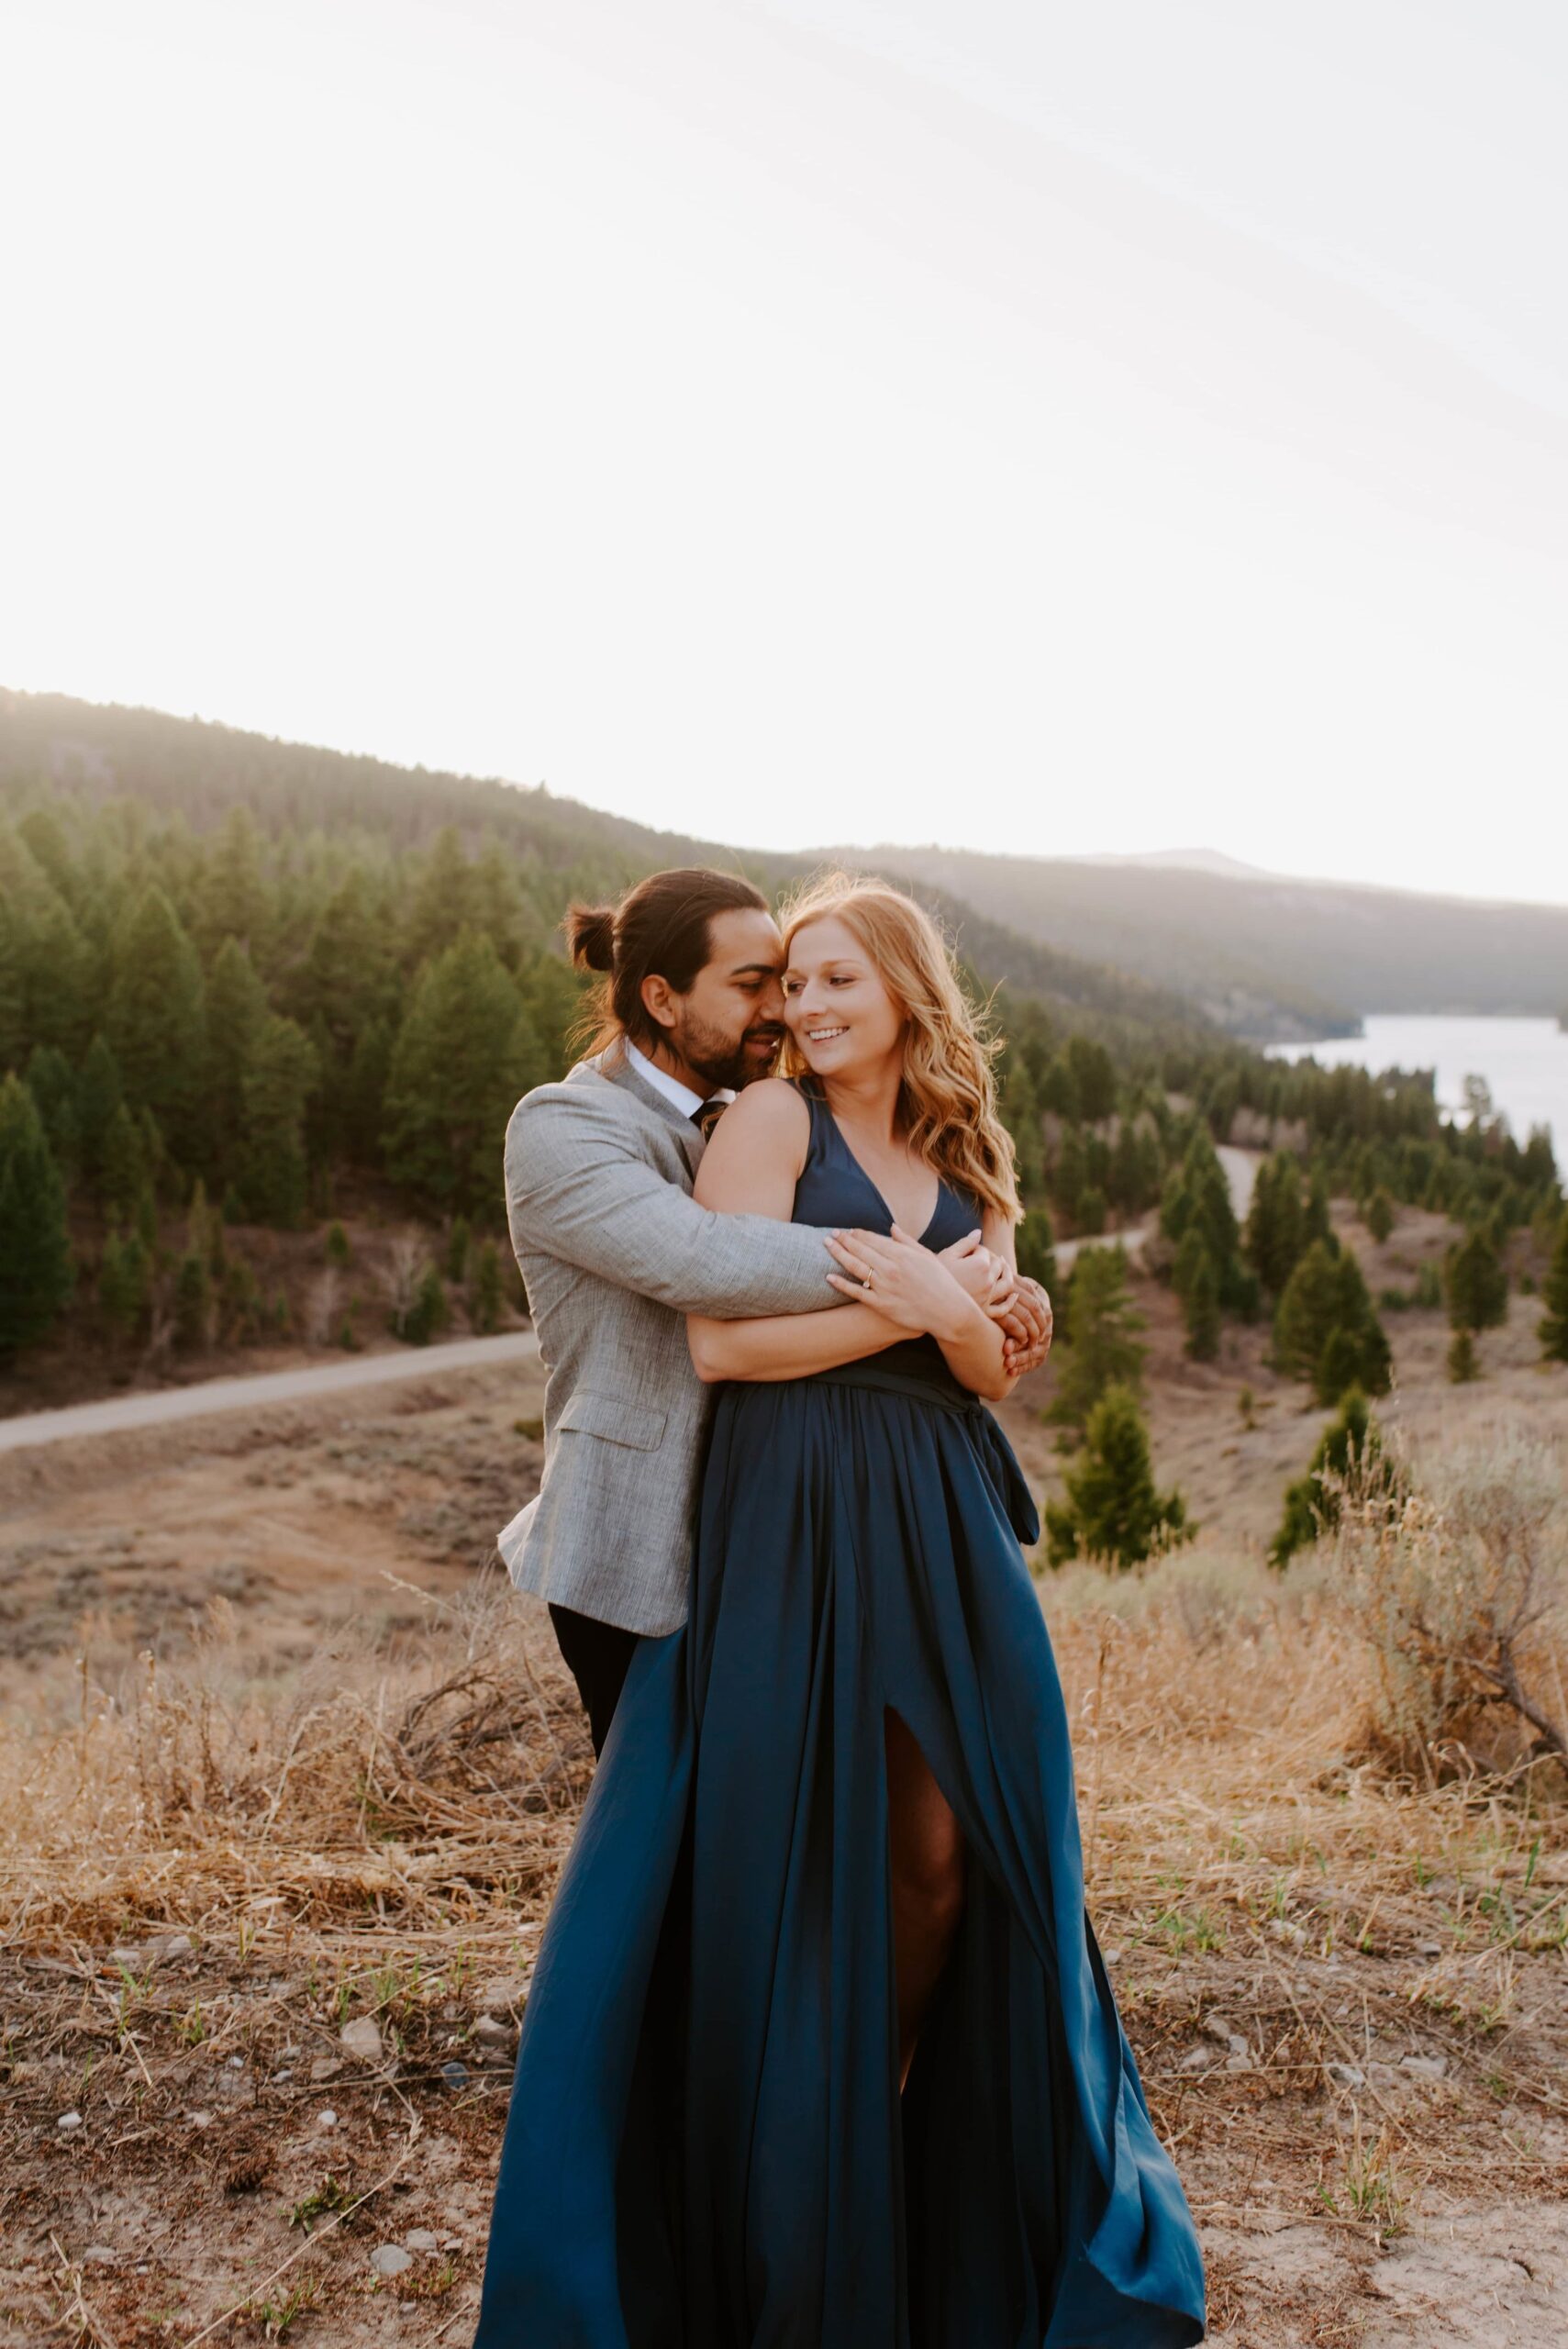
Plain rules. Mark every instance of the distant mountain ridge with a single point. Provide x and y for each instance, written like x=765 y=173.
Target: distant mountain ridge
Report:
x=1262 y=954
x=197 y=770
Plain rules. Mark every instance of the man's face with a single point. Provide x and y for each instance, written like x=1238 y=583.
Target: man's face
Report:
x=729 y=1025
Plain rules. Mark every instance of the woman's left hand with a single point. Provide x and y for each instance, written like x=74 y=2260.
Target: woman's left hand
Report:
x=905 y=1282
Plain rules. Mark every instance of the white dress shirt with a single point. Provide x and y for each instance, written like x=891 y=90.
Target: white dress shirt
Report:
x=685 y=1100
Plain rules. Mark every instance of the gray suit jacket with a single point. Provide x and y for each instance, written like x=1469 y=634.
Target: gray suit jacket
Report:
x=614 y=1252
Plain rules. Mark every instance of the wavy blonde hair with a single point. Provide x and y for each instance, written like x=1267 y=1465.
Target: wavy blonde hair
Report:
x=947 y=1101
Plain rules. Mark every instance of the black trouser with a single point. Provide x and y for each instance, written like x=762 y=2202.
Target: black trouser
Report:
x=596 y=1656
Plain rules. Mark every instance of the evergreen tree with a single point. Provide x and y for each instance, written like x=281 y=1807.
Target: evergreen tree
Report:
x=99 y=1092
x=1462 y=1361
x=125 y=1178
x=1094 y=1079
x=155 y=1019
x=364 y=1092
x=1316 y=1222
x=1352 y=1444
x=1326 y=1292
x=484 y=1305
x=1198 y=1287
x=235 y=1014
x=457 y=1243
x=1034 y=1250
x=337 y=1251
x=1338 y=1367
x=1057 y=1089
x=234 y=900
x=53 y=1084
x=1276 y=1221
x=192 y=1298
x=124 y=1281
x=1477 y=1283
x=1102 y=1346
x=550 y=993
x=1112 y=1510
x=1021 y=1114
x=1554 y=1327
x=1379 y=1215
x=283 y=1074
x=444 y=898
x=454 y=1080
x=36 y=1272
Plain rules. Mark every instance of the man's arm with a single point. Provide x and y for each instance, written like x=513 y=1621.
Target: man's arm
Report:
x=577 y=1189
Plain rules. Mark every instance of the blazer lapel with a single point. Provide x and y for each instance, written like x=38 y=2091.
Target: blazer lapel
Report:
x=619 y=1070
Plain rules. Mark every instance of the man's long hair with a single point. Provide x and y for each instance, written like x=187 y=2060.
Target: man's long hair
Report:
x=660 y=929
x=947 y=1107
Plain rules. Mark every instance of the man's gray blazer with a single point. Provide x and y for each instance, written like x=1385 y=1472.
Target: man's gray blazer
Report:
x=614 y=1252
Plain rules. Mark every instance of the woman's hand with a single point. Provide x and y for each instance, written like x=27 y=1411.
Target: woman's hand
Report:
x=980 y=1273
x=910 y=1284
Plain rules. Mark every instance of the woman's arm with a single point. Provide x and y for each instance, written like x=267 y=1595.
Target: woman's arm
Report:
x=751 y=1167
x=911 y=1283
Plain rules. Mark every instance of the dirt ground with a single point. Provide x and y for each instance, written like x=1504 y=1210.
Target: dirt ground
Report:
x=280 y=1759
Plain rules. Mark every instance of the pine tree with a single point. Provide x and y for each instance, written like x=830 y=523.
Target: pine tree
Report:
x=457 y=1243
x=235 y=1014
x=1197 y=1286
x=1276 y=1221
x=1034 y=1250
x=1101 y=1324
x=1477 y=1282
x=155 y=1019
x=1021 y=1114
x=124 y=1281
x=1379 y=1215
x=125 y=1178
x=283 y=1074
x=1346 y=1449
x=1326 y=1292
x=53 y=1084
x=485 y=1306
x=1554 y=1327
x=1462 y=1361
x=1113 y=1510
x=192 y=1298
x=1094 y=1079
x=1316 y=1222
x=99 y=1092
x=453 y=1082
x=444 y=898
x=36 y=1276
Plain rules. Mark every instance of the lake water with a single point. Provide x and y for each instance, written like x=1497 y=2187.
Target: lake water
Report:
x=1525 y=1062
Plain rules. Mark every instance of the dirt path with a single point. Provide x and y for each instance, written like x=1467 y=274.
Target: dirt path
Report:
x=1240 y=1172
x=122 y=1413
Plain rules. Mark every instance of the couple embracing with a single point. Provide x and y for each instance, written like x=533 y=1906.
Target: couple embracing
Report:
x=820 y=2052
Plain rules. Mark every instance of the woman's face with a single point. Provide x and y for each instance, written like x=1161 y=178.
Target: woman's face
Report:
x=836 y=1006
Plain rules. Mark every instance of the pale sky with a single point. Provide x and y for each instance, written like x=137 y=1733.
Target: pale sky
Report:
x=1030 y=425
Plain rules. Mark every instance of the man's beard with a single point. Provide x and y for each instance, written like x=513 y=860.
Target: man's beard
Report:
x=723 y=1061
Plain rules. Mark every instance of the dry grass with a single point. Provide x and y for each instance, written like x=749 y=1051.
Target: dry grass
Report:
x=1345 y=1985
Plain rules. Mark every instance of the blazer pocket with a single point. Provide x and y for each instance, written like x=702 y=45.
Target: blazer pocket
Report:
x=614 y=1417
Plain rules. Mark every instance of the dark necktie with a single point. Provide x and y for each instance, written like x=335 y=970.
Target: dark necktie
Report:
x=707 y=1115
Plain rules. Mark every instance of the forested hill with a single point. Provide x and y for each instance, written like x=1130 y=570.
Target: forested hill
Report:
x=325 y=810
x=1264 y=955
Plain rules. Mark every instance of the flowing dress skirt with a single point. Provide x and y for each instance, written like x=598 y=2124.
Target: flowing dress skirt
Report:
x=706 y=2146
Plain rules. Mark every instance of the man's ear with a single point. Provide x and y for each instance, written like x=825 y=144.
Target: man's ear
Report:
x=660 y=1001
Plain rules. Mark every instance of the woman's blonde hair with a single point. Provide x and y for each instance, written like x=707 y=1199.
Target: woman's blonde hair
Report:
x=948 y=1105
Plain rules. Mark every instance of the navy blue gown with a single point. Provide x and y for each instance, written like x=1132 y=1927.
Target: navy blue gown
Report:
x=706 y=2146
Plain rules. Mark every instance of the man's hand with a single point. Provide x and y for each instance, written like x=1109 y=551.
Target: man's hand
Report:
x=1024 y=1312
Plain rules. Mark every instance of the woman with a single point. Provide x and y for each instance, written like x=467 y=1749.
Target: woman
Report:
x=820 y=2052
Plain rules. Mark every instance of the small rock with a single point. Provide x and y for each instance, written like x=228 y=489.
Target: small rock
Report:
x=129 y=1956
x=455 y=2074
x=502 y=1993
x=1240 y=2056
x=237 y=2063
x=492 y=2032
x=286 y=2073
x=1283 y=1931
x=1219 y=2027
x=200 y=2120
x=1113 y=1957
x=325 y=2067
x=1426 y=2067
x=391 y=2259
x=164 y=1946
x=362 y=2038
x=420 y=2239
x=327 y=2119
x=102 y=2254
x=1345 y=2075
x=1429 y=1949
x=68 y=2121
x=1199 y=2059
x=1381 y=2076
x=452 y=2242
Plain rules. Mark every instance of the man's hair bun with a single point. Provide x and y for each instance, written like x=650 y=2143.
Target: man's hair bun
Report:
x=591 y=937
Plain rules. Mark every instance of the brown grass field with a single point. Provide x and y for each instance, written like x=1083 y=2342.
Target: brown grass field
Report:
x=280 y=1754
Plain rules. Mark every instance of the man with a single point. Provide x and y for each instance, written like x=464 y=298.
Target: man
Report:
x=615 y=1252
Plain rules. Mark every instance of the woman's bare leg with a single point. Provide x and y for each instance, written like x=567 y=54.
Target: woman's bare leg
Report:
x=927 y=1857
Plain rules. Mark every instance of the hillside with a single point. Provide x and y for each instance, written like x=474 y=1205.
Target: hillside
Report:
x=199 y=771
x=1266 y=956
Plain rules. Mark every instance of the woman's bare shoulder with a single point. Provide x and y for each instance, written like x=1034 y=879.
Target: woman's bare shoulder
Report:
x=768 y=1109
